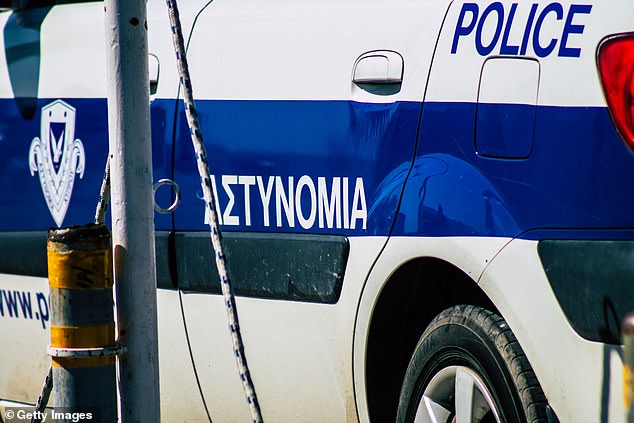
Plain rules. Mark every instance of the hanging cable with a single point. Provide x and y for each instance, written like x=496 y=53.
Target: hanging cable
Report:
x=208 y=195
x=42 y=400
x=104 y=195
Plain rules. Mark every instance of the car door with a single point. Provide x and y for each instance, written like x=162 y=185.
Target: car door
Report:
x=310 y=112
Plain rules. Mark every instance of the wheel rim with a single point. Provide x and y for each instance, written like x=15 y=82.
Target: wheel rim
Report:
x=456 y=394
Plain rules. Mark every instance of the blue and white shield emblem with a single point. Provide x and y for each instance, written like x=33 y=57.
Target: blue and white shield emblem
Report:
x=57 y=156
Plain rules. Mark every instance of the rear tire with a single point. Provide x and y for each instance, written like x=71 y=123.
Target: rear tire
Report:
x=469 y=367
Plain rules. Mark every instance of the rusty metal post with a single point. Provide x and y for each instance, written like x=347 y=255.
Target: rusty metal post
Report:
x=82 y=321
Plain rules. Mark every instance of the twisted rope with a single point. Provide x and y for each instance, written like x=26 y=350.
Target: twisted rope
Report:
x=42 y=400
x=208 y=195
x=104 y=195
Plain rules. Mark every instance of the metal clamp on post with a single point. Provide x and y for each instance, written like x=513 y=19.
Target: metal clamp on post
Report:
x=85 y=352
x=83 y=346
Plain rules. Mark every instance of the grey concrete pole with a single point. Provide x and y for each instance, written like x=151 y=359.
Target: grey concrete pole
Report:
x=132 y=208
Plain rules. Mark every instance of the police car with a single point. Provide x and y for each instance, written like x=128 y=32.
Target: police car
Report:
x=427 y=205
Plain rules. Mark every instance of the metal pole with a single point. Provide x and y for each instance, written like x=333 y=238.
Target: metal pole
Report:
x=132 y=208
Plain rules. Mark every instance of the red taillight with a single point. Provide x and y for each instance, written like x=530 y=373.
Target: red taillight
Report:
x=616 y=67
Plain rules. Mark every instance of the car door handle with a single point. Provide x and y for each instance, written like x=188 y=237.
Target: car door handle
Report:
x=153 y=72
x=379 y=72
x=378 y=67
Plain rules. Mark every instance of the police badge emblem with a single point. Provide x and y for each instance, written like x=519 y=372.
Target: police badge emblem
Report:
x=56 y=156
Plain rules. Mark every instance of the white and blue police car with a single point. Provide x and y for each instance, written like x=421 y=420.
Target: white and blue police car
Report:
x=428 y=206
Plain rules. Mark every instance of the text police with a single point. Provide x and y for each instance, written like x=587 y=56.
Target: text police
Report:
x=509 y=31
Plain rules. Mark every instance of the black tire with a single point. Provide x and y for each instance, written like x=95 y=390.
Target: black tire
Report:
x=473 y=341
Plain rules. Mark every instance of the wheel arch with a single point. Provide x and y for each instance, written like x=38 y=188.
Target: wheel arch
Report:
x=411 y=297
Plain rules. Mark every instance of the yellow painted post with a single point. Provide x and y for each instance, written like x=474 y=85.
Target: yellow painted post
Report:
x=627 y=337
x=83 y=342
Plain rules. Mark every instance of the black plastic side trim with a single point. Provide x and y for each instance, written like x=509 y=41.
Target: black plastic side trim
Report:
x=292 y=267
x=24 y=253
x=593 y=282
x=165 y=272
